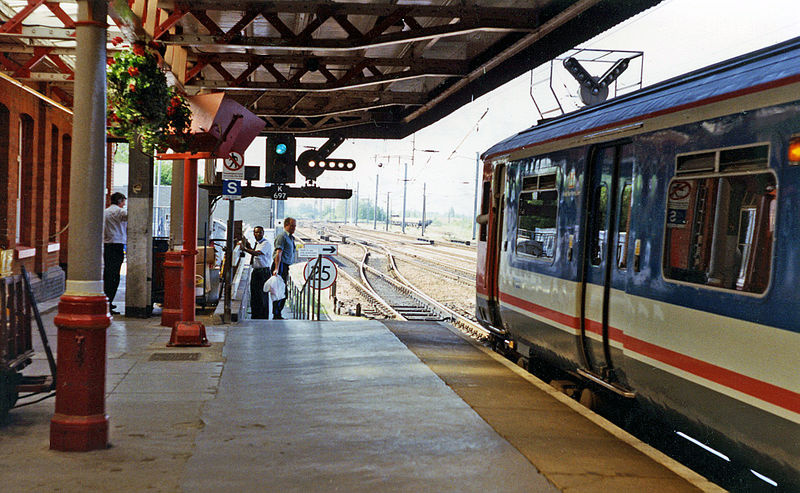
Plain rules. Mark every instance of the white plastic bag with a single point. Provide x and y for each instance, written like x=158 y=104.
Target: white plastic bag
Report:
x=275 y=287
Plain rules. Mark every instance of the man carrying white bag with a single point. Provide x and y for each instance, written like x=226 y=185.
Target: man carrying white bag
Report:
x=275 y=287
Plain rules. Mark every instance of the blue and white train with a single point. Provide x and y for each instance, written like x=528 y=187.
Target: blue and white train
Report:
x=651 y=245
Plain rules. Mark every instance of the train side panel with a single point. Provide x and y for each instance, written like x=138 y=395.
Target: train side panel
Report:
x=716 y=355
x=538 y=281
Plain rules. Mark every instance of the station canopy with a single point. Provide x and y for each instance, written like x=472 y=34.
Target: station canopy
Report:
x=370 y=69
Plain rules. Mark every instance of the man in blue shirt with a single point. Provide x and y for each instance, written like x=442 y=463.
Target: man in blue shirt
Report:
x=283 y=257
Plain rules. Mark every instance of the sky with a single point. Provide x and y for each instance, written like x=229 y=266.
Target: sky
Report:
x=676 y=36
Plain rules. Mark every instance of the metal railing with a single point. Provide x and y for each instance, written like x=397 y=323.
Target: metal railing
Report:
x=305 y=301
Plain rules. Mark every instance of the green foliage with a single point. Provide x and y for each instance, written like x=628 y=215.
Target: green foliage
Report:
x=366 y=211
x=166 y=173
x=141 y=106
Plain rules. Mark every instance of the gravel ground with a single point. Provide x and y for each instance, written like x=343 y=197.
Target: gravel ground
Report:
x=452 y=293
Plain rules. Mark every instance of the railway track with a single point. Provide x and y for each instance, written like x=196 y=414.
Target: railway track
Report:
x=440 y=268
x=388 y=292
x=454 y=267
x=406 y=300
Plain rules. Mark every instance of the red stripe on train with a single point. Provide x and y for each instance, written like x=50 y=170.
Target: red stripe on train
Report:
x=764 y=391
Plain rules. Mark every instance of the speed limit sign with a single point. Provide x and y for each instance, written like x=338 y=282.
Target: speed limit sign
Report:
x=325 y=274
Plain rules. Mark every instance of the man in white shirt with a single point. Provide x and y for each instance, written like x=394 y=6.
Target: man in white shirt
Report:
x=115 y=234
x=260 y=261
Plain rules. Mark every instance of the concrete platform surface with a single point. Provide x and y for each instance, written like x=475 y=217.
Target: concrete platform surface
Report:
x=322 y=406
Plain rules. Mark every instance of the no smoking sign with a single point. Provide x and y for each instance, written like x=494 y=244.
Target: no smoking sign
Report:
x=679 y=190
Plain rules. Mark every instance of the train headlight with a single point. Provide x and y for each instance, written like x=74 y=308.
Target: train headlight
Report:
x=794 y=151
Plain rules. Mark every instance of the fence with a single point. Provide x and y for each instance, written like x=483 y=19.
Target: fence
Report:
x=305 y=301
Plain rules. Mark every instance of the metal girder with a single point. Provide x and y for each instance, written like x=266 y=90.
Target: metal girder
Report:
x=40 y=76
x=233 y=84
x=310 y=125
x=338 y=44
x=329 y=8
x=53 y=50
x=303 y=59
x=30 y=32
x=334 y=110
x=398 y=97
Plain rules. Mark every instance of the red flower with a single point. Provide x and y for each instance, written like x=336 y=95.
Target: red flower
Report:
x=175 y=101
x=133 y=71
x=111 y=61
x=116 y=41
x=171 y=110
x=132 y=87
x=138 y=49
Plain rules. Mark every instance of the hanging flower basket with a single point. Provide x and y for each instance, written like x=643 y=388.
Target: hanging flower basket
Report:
x=141 y=107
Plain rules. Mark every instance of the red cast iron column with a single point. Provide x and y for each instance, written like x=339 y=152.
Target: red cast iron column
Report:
x=80 y=422
x=173 y=280
x=189 y=238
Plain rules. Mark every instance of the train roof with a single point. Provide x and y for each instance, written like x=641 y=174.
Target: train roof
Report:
x=762 y=69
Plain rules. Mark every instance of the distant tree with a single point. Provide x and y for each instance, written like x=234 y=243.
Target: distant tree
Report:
x=166 y=173
x=121 y=153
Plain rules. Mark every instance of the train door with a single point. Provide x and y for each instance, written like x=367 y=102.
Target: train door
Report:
x=490 y=220
x=496 y=231
x=605 y=255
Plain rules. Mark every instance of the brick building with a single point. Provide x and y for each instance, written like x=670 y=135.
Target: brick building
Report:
x=35 y=153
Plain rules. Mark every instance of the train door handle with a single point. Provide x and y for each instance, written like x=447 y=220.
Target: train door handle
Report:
x=505 y=245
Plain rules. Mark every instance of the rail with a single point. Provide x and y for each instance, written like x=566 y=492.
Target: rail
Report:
x=456 y=318
x=383 y=306
x=305 y=301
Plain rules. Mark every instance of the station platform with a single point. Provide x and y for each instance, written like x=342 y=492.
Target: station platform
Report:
x=329 y=406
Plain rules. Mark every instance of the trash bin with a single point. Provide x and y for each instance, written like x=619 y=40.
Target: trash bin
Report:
x=160 y=247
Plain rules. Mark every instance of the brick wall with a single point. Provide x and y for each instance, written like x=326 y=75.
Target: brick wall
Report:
x=36 y=133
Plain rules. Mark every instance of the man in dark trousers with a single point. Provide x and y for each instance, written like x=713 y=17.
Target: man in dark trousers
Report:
x=115 y=235
x=283 y=258
x=261 y=255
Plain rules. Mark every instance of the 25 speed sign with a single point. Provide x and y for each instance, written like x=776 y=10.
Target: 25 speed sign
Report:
x=325 y=275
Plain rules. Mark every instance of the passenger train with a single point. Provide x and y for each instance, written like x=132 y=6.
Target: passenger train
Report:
x=650 y=245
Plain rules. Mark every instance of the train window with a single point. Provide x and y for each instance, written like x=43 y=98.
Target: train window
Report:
x=485 y=204
x=744 y=158
x=624 y=227
x=536 y=223
x=600 y=224
x=729 y=160
x=720 y=229
x=694 y=163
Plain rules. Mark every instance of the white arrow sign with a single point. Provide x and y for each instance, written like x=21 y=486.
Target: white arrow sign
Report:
x=311 y=250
